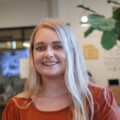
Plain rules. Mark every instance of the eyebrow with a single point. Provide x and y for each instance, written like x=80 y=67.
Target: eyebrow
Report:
x=57 y=42
x=42 y=43
x=39 y=43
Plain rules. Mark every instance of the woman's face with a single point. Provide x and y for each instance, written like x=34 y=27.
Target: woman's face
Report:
x=48 y=54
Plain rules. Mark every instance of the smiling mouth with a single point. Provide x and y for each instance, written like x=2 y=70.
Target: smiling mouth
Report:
x=49 y=63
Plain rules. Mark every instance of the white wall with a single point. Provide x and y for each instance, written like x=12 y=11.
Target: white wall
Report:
x=22 y=12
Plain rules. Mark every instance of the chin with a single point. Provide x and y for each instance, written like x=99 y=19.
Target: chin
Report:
x=52 y=74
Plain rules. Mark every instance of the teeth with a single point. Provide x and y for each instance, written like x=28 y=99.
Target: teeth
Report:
x=49 y=63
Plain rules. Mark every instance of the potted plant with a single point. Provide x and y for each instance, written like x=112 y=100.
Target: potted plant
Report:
x=110 y=28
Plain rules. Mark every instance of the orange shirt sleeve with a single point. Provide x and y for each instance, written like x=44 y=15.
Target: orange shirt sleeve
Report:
x=9 y=111
x=106 y=107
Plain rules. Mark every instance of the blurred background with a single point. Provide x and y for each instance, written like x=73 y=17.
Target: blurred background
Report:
x=18 y=19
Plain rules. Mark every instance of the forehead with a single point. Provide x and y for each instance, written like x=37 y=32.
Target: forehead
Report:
x=46 y=35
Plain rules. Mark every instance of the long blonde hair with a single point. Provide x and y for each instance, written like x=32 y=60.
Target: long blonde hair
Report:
x=76 y=78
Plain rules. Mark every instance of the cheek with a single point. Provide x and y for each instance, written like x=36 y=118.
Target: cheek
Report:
x=36 y=58
x=64 y=55
x=64 y=58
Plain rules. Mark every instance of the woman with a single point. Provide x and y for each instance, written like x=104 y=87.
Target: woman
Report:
x=58 y=87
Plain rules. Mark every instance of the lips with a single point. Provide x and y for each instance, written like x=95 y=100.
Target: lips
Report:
x=49 y=63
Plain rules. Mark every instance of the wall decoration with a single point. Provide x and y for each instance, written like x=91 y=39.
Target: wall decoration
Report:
x=90 y=51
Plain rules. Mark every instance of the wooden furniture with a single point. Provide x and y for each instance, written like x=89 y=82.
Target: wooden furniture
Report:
x=116 y=92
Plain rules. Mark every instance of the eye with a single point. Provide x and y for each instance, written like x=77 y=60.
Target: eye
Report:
x=40 y=48
x=57 y=47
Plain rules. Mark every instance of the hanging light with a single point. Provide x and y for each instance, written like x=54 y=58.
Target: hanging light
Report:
x=84 y=21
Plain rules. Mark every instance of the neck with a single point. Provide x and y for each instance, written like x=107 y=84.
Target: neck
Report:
x=53 y=87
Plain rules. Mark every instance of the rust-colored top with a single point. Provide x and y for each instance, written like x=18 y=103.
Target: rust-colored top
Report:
x=105 y=108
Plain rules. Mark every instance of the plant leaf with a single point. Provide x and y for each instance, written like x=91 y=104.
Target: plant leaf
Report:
x=101 y=23
x=107 y=24
x=92 y=18
x=88 y=31
x=109 y=40
x=117 y=29
x=116 y=14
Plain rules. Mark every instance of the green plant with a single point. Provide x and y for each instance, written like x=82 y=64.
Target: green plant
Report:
x=110 y=28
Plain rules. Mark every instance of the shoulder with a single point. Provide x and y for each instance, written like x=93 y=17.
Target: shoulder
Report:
x=18 y=101
x=101 y=94
x=24 y=95
x=14 y=106
x=104 y=103
x=97 y=91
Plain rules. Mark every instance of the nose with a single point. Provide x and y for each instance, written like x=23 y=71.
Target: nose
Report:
x=49 y=53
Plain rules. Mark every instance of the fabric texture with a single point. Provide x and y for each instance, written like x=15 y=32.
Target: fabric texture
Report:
x=105 y=108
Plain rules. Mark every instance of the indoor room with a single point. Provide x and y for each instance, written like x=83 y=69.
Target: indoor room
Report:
x=96 y=24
